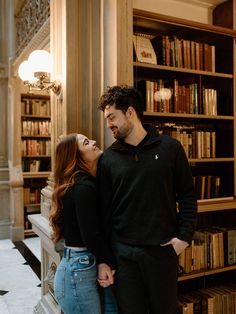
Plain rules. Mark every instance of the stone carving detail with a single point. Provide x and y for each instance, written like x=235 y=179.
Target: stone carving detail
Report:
x=38 y=309
x=50 y=277
x=30 y=18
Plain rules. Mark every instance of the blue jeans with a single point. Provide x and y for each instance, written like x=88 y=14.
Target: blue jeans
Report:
x=75 y=283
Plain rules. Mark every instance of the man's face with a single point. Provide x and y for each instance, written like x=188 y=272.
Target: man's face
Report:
x=118 y=122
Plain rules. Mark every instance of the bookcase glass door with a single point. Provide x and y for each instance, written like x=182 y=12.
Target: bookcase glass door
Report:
x=189 y=94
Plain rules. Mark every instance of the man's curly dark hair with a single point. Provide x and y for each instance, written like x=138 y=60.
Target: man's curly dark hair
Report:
x=122 y=97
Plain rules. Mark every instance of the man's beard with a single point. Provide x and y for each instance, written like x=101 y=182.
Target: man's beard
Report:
x=122 y=132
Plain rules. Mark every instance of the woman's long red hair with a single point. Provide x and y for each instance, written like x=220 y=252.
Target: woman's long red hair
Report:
x=68 y=163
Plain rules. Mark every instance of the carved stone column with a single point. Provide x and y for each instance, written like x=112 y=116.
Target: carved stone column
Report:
x=15 y=170
x=5 y=53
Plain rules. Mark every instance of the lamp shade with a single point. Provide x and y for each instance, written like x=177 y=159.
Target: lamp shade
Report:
x=25 y=72
x=40 y=61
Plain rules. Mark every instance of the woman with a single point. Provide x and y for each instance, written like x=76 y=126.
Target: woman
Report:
x=74 y=218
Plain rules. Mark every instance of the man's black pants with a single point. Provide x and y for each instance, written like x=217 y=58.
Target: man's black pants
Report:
x=146 y=279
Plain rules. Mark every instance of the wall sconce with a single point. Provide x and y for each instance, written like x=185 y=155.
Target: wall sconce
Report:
x=35 y=72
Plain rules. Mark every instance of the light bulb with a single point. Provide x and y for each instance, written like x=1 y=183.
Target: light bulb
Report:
x=162 y=94
x=40 y=61
x=25 y=71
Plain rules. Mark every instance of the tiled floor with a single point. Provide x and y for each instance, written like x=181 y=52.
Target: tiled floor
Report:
x=19 y=276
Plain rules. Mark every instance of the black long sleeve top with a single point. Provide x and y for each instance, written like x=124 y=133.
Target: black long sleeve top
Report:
x=140 y=188
x=81 y=221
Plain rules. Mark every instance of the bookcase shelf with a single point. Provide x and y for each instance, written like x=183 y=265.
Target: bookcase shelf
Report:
x=217 y=204
x=204 y=160
x=198 y=274
x=186 y=116
x=35 y=156
x=41 y=174
x=25 y=116
x=180 y=70
x=195 y=102
x=36 y=151
x=36 y=136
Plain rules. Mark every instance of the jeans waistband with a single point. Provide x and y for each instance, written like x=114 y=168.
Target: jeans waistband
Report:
x=73 y=252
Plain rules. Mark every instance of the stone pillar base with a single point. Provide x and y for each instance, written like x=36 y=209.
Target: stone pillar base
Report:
x=47 y=305
x=49 y=261
x=16 y=233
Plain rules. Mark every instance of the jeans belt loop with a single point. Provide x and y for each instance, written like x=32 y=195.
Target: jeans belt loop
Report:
x=67 y=253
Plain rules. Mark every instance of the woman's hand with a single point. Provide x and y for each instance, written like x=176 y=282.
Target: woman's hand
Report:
x=105 y=275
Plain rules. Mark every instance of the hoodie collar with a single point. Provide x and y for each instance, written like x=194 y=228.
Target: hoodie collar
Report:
x=152 y=133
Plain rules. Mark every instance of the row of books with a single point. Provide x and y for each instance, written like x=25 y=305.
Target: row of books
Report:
x=214 y=300
x=196 y=143
x=179 y=97
x=173 y=51
x=37 y=107
x=36 y=165
x=36 y=148
x=210 y=249
x=207 y=186
x=32 y=195
x=34 y=128
x=31 y=165
x=182 y=53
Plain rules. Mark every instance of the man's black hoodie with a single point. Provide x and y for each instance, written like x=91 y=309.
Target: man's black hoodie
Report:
x=140 y=187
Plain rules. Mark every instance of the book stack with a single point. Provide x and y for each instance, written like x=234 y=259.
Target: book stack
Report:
x=214 y=300
x=179 y=96
x=36 y=107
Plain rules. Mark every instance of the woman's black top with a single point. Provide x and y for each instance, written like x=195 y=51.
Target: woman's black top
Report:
x=81 y=221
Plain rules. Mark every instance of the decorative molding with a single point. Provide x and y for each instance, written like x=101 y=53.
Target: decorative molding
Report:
x=29 y=19
x=16 y=176
x=209 y=4
x=40 y=41
x=50 y=277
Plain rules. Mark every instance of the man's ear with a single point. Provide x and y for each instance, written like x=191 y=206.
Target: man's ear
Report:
x=130 y=111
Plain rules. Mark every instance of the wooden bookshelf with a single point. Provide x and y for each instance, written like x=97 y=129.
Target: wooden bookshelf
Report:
x=168 y=33
x=36 y=151
x=198 y=274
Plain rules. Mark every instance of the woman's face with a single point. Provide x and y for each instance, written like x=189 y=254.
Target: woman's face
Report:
x=88 y=149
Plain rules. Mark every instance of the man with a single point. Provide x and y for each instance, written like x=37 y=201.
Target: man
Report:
x=142 y=176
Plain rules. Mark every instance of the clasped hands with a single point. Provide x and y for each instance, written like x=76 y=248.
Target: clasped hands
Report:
x=105 y=275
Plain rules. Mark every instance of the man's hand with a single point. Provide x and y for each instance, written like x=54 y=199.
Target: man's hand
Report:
x=178 y=245
x=105 y=275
